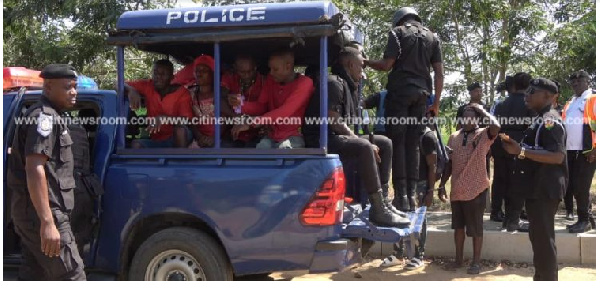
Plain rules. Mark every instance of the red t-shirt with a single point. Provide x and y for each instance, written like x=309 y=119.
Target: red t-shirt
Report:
x=175 y=104
x=282 y=103
x=231 y=81
x=185 y=76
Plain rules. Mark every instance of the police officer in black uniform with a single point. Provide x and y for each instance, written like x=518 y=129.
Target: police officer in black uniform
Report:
x=540 y=174
x=40 y=179
x=515 y=118
x=412 y=50
x=371 y=152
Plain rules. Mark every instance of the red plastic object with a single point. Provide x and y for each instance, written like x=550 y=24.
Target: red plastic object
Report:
x=14 y=77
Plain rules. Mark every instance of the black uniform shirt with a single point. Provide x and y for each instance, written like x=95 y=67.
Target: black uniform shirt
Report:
x=342 y=98
x=415 y=49
x=47 y=136
x=545 y=180
x=514 y=118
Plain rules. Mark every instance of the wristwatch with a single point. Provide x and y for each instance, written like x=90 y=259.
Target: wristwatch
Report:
x=522 y=154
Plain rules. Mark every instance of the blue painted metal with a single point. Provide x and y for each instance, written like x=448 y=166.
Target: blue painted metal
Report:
x=324 y=92
x=358 y=225
x=121 y=94
x=261 y=14
x=217 y=93
x=252 y=206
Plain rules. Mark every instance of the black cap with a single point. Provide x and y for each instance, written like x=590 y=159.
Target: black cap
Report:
x=473 y=86
x=579 y=74
x=544 y=84
x=58 y=71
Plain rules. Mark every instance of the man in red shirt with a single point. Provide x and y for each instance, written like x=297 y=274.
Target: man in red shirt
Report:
x=162 y=100
x=281 y=104
x=470 y=181
x=243 y=85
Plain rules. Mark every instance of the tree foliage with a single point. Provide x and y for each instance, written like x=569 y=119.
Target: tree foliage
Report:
x=37 y=33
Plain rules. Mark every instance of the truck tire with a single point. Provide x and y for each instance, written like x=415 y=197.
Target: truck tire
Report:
x=178 y=254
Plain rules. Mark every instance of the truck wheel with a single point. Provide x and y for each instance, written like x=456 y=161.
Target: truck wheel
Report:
x=180 y=254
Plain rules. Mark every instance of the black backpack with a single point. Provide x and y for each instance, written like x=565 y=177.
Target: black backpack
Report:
x=442 y=154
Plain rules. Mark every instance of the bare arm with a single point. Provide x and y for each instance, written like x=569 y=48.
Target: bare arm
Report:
x=494 y=127
x=447 y=174
x=431 y=160
x=385 y=64
x=438 y=70
x=545 y=156
x=37 y=185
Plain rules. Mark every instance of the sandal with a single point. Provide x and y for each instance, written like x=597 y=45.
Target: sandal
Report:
x=391 y=261
x=414 y=264
x=474 y=269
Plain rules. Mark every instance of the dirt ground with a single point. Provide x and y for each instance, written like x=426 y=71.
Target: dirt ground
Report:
x=434 y=271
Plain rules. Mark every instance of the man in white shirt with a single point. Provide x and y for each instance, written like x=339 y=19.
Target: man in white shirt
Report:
x=581 y=150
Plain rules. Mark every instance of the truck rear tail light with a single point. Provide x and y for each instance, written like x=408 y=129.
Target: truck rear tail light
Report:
x=327 y=205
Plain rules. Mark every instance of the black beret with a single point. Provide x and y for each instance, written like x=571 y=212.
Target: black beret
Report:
x=58 y=71
x=473 y=86
x=579 y=74
x=544 y=84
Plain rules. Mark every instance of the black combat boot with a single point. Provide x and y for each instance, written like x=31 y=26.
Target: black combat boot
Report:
x=391 y=207
x=400 y=198
x=389 y=204
x=380 y=215
x=412 y=194
x=580 y=227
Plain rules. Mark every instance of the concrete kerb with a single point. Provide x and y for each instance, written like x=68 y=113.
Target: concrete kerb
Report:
x=515 y=247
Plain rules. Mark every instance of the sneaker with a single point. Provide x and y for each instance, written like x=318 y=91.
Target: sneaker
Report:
x=414 y=264
x=570 y=216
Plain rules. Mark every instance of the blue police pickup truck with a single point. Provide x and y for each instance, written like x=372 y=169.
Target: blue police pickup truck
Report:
x=211 y=213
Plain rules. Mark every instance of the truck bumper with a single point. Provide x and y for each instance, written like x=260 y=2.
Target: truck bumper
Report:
x=335 y=255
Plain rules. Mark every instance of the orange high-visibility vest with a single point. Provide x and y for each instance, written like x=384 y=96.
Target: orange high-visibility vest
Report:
x=589 y=117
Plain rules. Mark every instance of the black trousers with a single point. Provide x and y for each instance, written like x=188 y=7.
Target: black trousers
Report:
x=581 y=173
x=500 y=185
x=404 y=111
x=541 y=213
x=36 y=265
x=514 y=202
x=372 y=174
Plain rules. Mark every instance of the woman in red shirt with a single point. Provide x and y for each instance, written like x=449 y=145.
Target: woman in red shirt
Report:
x=203 y=101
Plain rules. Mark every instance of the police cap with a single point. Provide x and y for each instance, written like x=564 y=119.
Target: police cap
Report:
x=58 y=71
x=544 y=84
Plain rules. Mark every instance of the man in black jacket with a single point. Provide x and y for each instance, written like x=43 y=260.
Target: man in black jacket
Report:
x=373 y=154
x=514 y=118
x=412 y=51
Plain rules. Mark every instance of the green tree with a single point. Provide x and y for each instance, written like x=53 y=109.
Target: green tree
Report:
x=37 y=33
